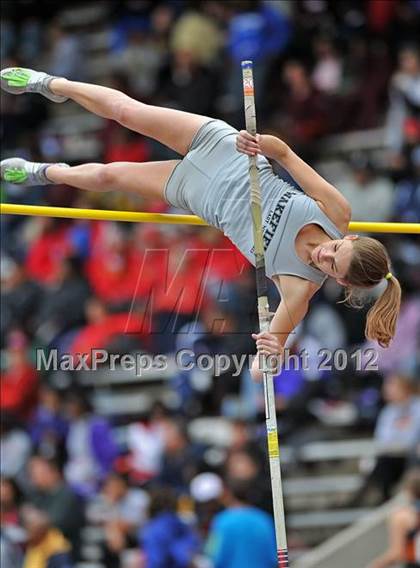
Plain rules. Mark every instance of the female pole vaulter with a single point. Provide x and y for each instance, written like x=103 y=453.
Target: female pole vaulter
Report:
x=305 y=236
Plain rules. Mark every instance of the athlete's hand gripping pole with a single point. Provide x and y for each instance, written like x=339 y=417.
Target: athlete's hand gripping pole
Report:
x=264 y=322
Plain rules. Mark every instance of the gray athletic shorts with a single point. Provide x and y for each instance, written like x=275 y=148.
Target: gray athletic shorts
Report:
x=209 y=150
x=212 y=181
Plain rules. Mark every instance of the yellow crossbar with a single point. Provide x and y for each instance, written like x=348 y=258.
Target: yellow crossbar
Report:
x=137 y=217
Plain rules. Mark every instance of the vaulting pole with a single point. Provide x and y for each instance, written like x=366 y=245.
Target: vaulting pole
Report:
x=264 y=322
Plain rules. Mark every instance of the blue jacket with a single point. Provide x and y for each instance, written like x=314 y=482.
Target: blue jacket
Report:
x=104 y=447
x=167 y=541
x=258 y=34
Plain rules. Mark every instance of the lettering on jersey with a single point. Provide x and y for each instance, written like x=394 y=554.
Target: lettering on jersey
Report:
x=274 y=216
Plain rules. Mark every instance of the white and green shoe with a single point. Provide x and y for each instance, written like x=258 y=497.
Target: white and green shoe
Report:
x=21 y=172
x=17 y=81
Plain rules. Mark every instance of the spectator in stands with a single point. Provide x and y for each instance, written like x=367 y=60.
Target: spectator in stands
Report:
x=165 y=539
x=327 y=72
x=48 y=428
x=46 y=545
x=31 y=39
x=10 y=497
x=162 y=19
x=47 y=250
x=20 y=297
x=114 y=266
x=243 y=438
x=206 y=489
x=290 y=382
x=10 y=551
x=397 y=434
x=258 y=31
x=179 y=293
x=185 y=83
x=303 y=117
x=104 y=330
x=369 y=194
x=91 y=447
x=10 y=544
x=242 y=536
x=196 y=31
x=118 y=503
x=180 y=459
x=15 y=447
x=120 y=510
x=21 y=121
x=11 y=536
x=49 y=492
x=145 y=446
x=226 y=263
x=65 y=57
x=404 y=98
x=406 y=207
x=125 y=146
x=399 y=422
x=7 y=35
x=141 y=59
x=156 y=19
x=19 y=382
x=62 y=309
x=214 y=333
x=248 y=467
x=367 y=69
x=381 y=15
x=404 y=529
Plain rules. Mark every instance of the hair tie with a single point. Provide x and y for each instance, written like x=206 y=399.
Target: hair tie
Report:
x=388 y=276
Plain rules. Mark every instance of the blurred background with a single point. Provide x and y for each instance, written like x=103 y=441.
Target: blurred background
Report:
x=119 y=471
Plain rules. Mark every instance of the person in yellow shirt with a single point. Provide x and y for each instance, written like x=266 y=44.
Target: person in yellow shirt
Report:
x=46 y=545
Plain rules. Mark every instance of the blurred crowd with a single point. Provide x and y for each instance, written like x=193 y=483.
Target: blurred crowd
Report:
x=154 y=499
x=322 y=70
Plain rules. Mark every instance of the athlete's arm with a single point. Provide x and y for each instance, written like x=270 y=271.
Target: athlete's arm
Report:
x=290 y=312
x=329 y=198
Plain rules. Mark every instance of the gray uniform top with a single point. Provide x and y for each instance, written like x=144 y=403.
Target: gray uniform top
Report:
x=212 y=181
x=281 y=256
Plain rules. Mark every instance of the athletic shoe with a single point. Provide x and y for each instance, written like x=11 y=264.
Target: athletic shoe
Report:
x=21 y=172
x=17 y=81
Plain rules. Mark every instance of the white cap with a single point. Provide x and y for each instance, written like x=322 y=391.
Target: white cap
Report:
x=205 y=487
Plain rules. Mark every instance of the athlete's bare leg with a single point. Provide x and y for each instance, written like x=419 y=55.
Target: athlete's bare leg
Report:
x=173 y=128
x=147 y=179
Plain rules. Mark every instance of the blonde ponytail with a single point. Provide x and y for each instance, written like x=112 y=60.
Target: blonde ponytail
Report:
x=370 y=264
x=381 y=320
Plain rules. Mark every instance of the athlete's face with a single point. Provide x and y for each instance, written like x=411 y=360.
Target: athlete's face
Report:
x=334 y=257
